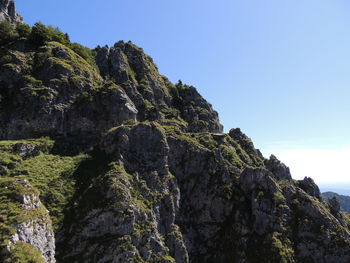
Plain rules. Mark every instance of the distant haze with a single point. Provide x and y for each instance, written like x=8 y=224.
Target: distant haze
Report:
x=328 y=167
x=341 y=188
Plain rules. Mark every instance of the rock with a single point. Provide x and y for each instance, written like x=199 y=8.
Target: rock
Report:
x=246 y=143
x=137 y=153
x=142 y=224
x=128 y=66
x=280 y=171
x=35 y=230
x=334 y=205
x=198 y=112
x=141 y=170
x=102 y=60
x=258 y=179
x=8 y=12
x=343 y=199
x=26 y=150
x=69 y=100
x=309 y=186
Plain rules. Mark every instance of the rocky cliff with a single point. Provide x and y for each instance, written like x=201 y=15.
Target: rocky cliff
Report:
x=8 y=12
x=103 y=159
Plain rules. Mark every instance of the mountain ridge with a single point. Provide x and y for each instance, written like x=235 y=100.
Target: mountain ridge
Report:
x=102 y=159
x=344 y=200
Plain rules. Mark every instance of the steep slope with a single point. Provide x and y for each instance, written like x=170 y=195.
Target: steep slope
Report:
x=102 y=159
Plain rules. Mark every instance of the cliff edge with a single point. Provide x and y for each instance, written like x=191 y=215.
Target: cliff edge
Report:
x=103 y=159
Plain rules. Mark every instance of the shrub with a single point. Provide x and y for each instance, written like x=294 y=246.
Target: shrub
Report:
x=25 y=253
x=7 y=32
x=41 y=34
x=57 y=35
x=84 y=52
x=23 y=30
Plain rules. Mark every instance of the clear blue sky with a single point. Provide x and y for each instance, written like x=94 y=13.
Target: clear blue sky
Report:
x=279 y=70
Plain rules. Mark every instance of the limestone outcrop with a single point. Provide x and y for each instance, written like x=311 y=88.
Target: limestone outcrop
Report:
x=33 y=233
x=8 y=12
x=103 y=159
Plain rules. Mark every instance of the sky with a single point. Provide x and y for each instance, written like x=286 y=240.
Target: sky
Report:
x=279 y=70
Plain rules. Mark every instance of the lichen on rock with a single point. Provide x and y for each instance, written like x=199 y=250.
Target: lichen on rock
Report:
x=103 y=159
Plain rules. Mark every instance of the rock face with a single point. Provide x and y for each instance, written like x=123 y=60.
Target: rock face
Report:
x=65 y=97
x=35 y=228
x=8 y=12
x=309 y=186
x=141 y=226
x=154 y=96
x=134 y=168
x=343 y=200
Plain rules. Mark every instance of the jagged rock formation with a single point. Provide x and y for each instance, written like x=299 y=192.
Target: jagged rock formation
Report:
x=69 y=95
x=344 y=201
x=8 y=12
x=133 y=168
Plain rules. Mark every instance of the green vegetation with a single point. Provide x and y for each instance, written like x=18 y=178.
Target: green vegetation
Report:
x=347 y=219
x=11 y=211
x=283 y=251
x=279 y=198
x=148 y=106
x=24 y=253
x=71 y=60
x=230 y=154
x=8 y=32
x=40 y=34
x=168 y=259
x=53 y=176
x=272 y=247
x=84 y=52
x=46 y=67
x=23 y=30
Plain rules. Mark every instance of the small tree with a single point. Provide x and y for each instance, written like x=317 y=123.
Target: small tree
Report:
x=7 y=32
x=40 y=34
x=23 y=30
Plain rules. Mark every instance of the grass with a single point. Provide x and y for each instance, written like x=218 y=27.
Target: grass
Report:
x=24 y=253
x=52 y=176
x=284 y=252
x=11 y=210
x=231 y=155
x=83 y=71
x=44 y=144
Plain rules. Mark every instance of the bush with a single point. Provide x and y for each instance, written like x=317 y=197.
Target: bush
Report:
x=41 y=34
x=25 y=253
x=7 y=32
x=57 y=35
x=84 y=52
x=23 y=30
